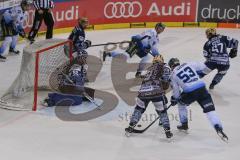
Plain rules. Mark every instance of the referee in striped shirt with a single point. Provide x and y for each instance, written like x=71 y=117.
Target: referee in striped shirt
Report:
x=42 y=12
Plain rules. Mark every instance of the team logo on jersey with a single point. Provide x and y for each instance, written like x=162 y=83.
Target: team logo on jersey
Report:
x=122 y=9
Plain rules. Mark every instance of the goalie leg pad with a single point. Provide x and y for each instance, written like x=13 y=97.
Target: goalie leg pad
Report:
x=57 y=99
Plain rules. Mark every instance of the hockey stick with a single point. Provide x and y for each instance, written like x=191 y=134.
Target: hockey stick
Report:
x=103 y=44
x=143 y=130
x=84 y=93
x=91 y=100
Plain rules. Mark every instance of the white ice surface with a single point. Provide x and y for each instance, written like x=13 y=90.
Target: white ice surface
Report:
x=43 y=136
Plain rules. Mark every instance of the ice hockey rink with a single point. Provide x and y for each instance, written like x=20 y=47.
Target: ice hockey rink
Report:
x=41 y=135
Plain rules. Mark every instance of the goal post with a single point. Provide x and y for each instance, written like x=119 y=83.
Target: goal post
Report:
x=39 y=60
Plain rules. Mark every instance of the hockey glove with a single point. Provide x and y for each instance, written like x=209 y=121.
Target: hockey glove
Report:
x=233 y=53
x=88 y=43
x=174 y=101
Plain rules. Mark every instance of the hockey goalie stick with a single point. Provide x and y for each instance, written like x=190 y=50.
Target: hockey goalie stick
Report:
x=84 y=93
x=91 y=100
x=143 y=130
x=109 y=43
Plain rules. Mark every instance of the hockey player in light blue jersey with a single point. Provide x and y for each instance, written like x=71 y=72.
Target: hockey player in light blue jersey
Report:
x=188 y=87
x=216 y=54
x=12 y=26
x=143 y=45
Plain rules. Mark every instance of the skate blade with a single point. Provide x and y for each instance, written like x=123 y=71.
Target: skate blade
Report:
x=170 y=140
x=183 y=131
x=128 y=134
x=166 y=140
x=223 y=138
x=2 y=60
x=13 y=54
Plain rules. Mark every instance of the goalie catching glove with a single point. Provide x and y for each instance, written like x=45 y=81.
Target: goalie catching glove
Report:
x=233 y=53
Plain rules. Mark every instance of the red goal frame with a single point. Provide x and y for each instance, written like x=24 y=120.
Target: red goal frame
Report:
x=69 y=42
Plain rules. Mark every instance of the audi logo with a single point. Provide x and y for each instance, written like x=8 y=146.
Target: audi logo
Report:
x=122 y=9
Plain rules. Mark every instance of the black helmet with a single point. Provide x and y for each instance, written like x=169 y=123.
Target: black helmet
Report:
x=160 y=25
x=25 y=3
x=173 y=62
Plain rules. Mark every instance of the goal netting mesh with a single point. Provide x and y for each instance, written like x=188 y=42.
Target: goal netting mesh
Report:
x=31 y=85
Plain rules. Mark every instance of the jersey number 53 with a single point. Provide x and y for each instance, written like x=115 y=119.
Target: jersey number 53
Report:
x=186 y=74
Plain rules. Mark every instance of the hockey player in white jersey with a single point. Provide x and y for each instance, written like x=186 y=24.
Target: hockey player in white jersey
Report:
x=143 y=45
x=187 y=88
x=216 y=54
x=12 y=26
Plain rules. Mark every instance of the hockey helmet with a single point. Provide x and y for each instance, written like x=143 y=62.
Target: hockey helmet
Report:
x=160 y=25
x=83 y=21
x=75 y=67
x=25 y=5
x=210 y=32
x=173 y=62
x=158 y=59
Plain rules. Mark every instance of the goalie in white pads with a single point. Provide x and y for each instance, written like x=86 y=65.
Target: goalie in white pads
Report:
x=12 y=26
x=143 y=45
x=188 y=88
x=153 y=90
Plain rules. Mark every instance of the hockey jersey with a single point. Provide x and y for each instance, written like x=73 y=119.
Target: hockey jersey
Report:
x=215 y=49
x=148 y=41
x=184 y=78
x=152 y=83
x=15 y=17
x=76 y=77
x=78 y=38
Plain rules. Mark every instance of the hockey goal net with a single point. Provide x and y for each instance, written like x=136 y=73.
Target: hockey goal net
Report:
x=31 y=86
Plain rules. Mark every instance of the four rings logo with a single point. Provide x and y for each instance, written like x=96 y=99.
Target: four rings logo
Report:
x=122 y=9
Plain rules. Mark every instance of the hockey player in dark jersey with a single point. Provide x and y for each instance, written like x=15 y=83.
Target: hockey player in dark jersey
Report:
x=77 y=35
x=216 y=54
x=152 y=90
x=80 y=45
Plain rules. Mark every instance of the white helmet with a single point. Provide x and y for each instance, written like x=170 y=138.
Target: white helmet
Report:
x=76 y=67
